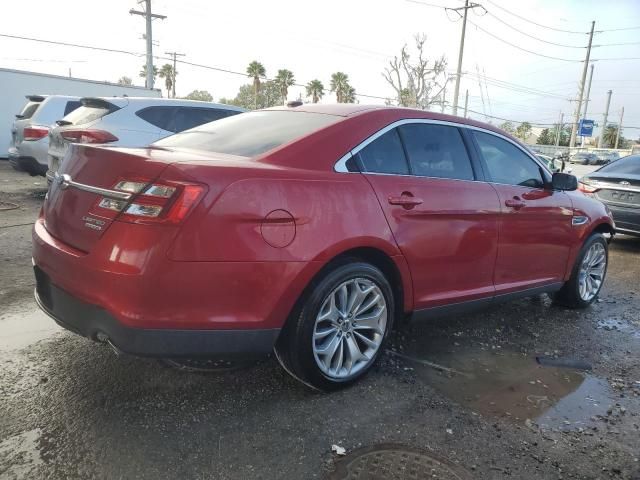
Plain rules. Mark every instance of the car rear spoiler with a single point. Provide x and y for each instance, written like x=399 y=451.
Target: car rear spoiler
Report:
x=96 y=102
x=35 y=98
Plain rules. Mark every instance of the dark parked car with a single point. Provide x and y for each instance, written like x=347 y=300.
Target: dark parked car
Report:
x=617 y=185
x=310 y=231
x=584 y=158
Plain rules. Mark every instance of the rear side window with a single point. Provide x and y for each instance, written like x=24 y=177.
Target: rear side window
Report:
x=190 y=117
x=626 y=165
x=90 y=111
x=250 y=134
x=436 y=151
x=71 y=106
x=385 y=155
x=507 y=164
x=28 y=110
x=161 y=117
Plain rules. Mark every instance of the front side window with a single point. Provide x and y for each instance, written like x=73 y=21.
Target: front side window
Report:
x=385 y=155
x=436 y=151
x=506 y=163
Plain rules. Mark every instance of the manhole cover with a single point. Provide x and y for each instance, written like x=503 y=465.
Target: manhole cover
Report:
x=395 y=462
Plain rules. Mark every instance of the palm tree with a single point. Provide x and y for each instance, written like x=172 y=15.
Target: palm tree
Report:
x=168 y=74
x=315 y=90
x=340 y=85
x=143 y=73
x=284 y=79
x=350 y=95
x=609 y=136
x=256 y=71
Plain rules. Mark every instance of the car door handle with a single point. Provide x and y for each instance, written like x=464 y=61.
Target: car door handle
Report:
x=406 y=201
x=514 y=203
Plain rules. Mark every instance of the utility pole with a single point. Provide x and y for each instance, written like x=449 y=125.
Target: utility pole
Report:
x=604 y=123
x=576 y=117
x=173 y=85
x=466 y=8
x=586 y=101
x=559 y=129
x=619 y=128
x=149 y=37
x=466 y=102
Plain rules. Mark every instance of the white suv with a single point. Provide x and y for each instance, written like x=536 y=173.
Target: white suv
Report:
x=30 y=131
x=130 y=122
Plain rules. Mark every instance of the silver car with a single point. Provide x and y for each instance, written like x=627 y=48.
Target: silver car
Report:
x=30 y=131
x=129 y=122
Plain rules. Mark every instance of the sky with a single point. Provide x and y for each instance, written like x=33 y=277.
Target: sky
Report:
x=358 y=37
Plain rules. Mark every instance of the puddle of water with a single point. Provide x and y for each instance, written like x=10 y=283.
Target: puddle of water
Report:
x=614 y=324
x=513 y=386
x=19 y=330
x=19 y=455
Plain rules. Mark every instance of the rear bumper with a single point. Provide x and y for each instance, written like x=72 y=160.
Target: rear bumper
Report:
x=27 y=164
x=96 y=323
x=627 y=219
x=147 y=304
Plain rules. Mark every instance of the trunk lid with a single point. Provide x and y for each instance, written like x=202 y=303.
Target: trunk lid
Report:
x=71 y=213
x=617 y=188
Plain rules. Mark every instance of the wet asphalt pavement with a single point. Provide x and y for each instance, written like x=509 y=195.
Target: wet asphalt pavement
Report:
x=523 y=390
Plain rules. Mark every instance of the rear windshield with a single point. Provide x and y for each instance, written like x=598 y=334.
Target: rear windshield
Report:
x=250 y=134
x=89 y=113
x=28 y=110
x=630 y=164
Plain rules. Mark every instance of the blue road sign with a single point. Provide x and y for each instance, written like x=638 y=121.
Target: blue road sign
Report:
x=585 y=128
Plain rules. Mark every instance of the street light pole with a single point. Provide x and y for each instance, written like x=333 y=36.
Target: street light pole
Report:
x=559 y=129
x=619 y=128
x=466 y=102
x=604 y=123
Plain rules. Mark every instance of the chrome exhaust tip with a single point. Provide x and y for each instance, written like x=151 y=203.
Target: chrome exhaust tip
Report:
x=103 y=338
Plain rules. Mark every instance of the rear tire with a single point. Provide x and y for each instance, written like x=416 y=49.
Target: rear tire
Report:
x=340 y=329
x=588 y=274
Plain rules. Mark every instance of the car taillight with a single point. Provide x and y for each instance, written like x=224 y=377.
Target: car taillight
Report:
x=34 y=133
x=156 y=202
x=88 y=136
x=586 y=188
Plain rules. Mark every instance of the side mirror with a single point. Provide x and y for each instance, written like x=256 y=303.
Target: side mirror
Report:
x=564 y=181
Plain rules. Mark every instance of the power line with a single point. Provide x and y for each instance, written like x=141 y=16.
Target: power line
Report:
x=615 y=58
x=532 y=36
x=520 y=48
x=535 y=23
x=618 y=30
x=616 y=44
x=65 y=44
x=518 y=88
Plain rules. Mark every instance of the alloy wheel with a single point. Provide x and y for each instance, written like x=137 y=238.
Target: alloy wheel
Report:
x=592 y=271
x=349 y=328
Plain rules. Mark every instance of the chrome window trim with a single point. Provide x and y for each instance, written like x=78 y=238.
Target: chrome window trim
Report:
x=341 y=167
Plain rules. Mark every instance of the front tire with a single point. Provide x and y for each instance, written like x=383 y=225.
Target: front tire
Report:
x=340 y=329
x=588 y=274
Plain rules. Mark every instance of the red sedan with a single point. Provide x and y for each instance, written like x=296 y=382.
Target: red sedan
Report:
x=308 y=230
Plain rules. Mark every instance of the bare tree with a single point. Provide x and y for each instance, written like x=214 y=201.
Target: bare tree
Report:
x=420 y=83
